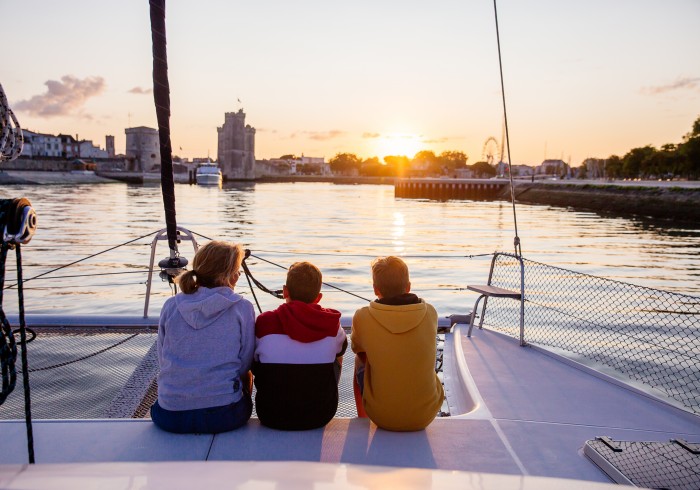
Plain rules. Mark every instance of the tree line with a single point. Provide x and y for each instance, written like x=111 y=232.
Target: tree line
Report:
x=424 y=163
x=680 y=160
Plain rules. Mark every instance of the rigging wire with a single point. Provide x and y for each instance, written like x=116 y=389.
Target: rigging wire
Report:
x=516 y=239
x=82 y=260
x=324 y=283
x=369 y=256
x=96 y=274
x=372 y=256
x=274 y=293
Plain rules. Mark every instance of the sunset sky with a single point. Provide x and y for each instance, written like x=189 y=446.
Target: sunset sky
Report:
x=583 y=78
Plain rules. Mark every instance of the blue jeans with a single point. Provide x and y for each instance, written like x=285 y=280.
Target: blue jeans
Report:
x=203 y=420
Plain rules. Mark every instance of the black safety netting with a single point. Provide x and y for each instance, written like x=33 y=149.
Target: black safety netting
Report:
x=88 y=373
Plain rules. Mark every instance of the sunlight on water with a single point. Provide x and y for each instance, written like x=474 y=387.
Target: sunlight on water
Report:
x=341 y=228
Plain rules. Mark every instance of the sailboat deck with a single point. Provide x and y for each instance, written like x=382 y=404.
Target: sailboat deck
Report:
x=531 y=415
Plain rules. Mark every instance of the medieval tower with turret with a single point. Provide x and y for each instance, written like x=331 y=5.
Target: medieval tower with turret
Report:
x=236 y=151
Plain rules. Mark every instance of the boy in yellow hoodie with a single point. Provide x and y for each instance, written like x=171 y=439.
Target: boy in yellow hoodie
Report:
x=394 y=339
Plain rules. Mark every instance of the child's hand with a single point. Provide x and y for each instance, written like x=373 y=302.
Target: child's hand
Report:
x=247 y=380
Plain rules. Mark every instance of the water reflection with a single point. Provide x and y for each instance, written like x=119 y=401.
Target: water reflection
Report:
x=398 y=231
x=338 y=227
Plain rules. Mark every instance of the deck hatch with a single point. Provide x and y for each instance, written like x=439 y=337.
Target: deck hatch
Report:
x=673 y=465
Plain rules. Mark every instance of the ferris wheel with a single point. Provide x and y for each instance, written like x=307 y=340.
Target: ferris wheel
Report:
x=491 y=151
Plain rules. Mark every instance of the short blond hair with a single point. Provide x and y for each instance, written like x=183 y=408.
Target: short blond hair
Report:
x=304 y=282
x=390 y=276
x=214 y=265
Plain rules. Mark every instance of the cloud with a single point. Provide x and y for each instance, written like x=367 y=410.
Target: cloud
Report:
x=680 y=84
x=318 y=135
x=324 y=135
x=62 y=97
x=444 y=139
x=140 y=90
x=371 y=135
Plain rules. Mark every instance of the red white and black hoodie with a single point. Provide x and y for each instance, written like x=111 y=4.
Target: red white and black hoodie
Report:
x=295 y=366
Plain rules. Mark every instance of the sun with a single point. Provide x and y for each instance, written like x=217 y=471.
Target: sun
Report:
x=398 y=144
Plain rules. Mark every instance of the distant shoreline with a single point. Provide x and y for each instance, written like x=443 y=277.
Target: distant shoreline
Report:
x=677 y=200
x=667 y=200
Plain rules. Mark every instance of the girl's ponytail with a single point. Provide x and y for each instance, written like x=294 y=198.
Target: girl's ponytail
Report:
x=187 y=282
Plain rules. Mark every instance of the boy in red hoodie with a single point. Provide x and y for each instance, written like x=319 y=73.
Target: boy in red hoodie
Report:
x=298 y=356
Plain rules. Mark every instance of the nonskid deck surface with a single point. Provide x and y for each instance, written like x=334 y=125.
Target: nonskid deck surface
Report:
x=546 y=409
x=532 y=416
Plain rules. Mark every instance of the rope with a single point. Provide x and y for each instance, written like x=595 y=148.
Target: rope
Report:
x=161 y=97
x=11 y=138
x=251 y=279
x=516 y=239
x=8 y=348
x=25 y=365
x=252 y=290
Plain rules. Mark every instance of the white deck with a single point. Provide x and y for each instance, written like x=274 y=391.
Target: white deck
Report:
x=531 y=415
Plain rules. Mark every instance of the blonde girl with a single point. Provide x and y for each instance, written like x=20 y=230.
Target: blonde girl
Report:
x=206 y=338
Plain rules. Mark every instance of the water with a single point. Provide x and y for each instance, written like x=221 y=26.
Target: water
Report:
x=340 y=228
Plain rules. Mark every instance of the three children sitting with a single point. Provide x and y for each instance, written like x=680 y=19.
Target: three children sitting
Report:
x=297 y=357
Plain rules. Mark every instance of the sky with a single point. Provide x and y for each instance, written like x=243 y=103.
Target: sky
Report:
x=582 y=78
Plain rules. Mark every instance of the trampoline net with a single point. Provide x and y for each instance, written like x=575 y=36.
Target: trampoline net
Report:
x=87 y=373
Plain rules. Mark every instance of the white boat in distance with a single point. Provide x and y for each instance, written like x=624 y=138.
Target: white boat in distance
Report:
x=209 y=174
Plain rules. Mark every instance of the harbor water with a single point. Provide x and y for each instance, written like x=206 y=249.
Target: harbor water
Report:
x=340 y=228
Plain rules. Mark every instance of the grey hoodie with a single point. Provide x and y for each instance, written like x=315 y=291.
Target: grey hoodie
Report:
x=205 y=341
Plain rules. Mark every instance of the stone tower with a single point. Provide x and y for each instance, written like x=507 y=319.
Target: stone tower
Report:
x=236 y=150
x=109 y=145
x=142 y=149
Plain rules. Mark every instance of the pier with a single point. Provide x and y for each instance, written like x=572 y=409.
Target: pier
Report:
x=442 y=189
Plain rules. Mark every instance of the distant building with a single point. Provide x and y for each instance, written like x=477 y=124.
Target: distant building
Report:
x=142 y=149
x=70 y=148
x=518 y=170
x=273 y=168
x=314 y=160
x=89 y=150
x=555 y=168
x=40 y=145
x=109 y=146
x=315 y=165
x=236 y=147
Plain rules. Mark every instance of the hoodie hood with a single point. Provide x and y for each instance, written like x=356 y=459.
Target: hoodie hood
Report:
x=307 y=322
x=203 y=307
x=398 y=319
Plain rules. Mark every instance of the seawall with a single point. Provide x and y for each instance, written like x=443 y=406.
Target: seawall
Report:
x=677 y=202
